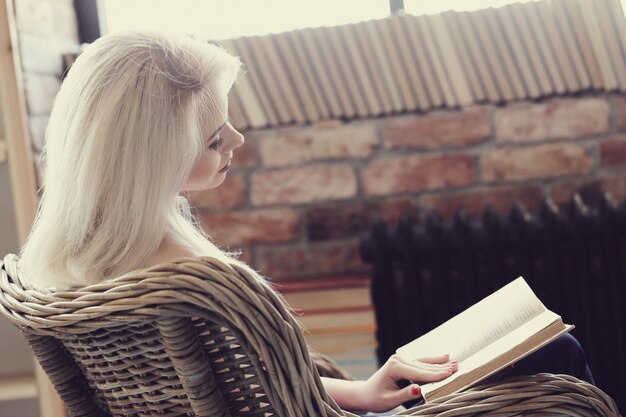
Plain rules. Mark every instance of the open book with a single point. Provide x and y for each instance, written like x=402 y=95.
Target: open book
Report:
x=487 y=337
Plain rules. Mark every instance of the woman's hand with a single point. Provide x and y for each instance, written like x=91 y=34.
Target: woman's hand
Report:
x=381 y=392
x=382 y=389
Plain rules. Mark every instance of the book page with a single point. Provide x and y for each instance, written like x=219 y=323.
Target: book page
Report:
x=471 y=376
x=499 y=347
x=480 y=325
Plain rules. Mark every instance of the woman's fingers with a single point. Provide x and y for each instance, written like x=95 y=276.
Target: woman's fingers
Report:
x=408 y=393
x=423 y=372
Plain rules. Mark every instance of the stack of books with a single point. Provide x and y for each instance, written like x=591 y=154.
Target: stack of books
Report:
x=338 y=320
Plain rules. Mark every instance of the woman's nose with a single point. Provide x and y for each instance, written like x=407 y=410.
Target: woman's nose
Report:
x=235 y=138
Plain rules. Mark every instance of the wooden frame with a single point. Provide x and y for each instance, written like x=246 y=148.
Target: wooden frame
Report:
x=23 y=184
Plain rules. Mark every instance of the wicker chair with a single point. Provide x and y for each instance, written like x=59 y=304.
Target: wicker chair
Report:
x=197 y=337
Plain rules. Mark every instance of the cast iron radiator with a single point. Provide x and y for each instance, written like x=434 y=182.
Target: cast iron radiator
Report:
x=574 y=259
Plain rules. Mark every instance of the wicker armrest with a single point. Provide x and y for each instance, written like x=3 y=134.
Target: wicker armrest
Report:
x=533 y=395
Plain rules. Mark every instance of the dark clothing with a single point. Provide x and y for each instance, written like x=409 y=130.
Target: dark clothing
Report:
x=563 y=356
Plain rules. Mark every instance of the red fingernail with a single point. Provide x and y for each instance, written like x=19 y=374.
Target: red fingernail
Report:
x=415 y=390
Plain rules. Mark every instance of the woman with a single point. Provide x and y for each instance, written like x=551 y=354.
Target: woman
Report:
x=141 y=119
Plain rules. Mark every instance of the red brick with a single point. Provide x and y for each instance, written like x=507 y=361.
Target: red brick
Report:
x=591 y=190
x=417 y=172
x=613 y=151
x=303 y=185
x=438 y=130
x=250 y=227
x=245 y=155
x=231 y=194
x=245 y=255
x=620 y=112
x=350 y=220
x=558 y=118
x=475 y=202
x=535 y=162
x=294 y=146
x=312 y=260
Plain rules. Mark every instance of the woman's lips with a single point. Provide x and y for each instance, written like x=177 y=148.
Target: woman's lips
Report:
x=226 y=168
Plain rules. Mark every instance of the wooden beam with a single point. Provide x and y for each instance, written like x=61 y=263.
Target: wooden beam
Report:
x=3 y=150
x=21 y=165
x=17 y=387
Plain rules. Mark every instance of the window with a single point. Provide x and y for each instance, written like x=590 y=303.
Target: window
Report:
x=222 y=19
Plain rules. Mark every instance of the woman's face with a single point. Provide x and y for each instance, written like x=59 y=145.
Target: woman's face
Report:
x=220 y=139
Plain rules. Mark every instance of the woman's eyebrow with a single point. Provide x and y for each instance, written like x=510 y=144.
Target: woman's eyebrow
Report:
x=218 y=129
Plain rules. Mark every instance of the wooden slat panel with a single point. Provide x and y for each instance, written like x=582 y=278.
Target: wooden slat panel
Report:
x=282 y=78
x=384 y=29
x=451 y=59
x=493 y=61
x=374 y=38
x=517 y=49
x=435 y=56
x=611 y=41
x=594 y=31
x=267 y=76
x=584 y=44
x=547 y=16
x=322 y=42
x=297 y=75
x=469 y=69
x=508 y=63
x=314 y=78
x=470 y=42
x=541 y=40
x=407 y=63
x=619 y=22
x=569 y=38
x=346 y=72
x=521 y=24
x=359 y=66
x=372 y=60
x=422 y=66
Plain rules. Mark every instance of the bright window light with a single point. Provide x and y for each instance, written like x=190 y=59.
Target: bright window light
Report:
x=223 y=19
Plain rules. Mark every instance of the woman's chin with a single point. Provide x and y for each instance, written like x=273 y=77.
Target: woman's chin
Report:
x=216 y=182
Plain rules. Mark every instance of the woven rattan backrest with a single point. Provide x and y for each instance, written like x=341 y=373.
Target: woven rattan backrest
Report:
x=194 y=337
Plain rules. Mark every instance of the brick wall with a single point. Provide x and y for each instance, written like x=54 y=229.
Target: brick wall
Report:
x=299 y=197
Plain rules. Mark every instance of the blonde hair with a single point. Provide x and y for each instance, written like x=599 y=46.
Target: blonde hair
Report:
x=122 y=139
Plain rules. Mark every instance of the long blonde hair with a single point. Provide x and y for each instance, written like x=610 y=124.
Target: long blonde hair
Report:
x=123 y=136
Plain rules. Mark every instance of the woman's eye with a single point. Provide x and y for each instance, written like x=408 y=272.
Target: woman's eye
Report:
x=216 y=145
